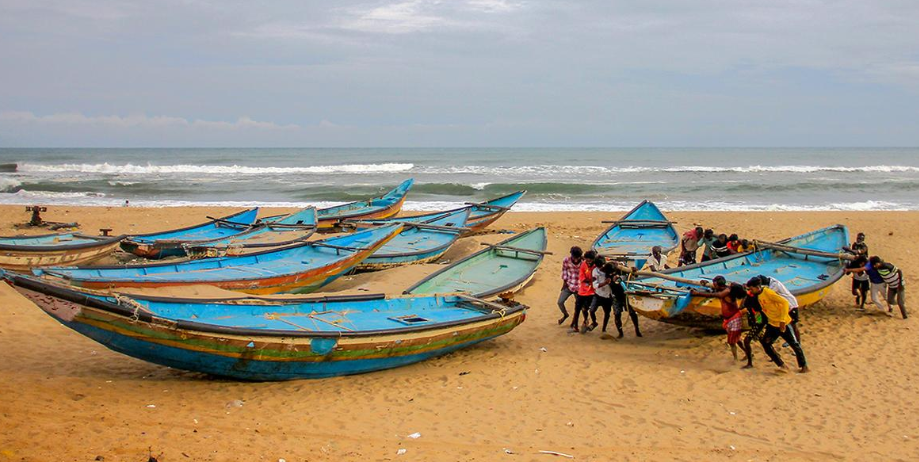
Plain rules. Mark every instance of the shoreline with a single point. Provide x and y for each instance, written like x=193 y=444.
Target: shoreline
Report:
x=673 y=394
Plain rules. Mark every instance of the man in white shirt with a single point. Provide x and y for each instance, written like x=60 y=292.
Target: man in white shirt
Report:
x=657 y=261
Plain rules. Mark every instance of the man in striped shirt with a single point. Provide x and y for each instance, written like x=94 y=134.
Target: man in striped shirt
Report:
x=570 y=282
x=896 y=293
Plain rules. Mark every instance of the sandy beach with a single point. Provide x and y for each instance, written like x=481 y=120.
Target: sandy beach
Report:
x=675 y=394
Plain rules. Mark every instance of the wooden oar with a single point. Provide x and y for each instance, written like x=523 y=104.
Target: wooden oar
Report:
x=642 y=222
x=517 y=249
x=455 y=229
x=658 y=286
x=234 y=223
x=802 y=251
x=652 y=274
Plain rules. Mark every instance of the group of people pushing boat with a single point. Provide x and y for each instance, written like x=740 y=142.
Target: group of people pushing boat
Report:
x=770 y=309
x=883 y=280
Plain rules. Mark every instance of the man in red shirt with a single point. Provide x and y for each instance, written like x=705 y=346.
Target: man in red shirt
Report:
x=689 y=245
x=585 y=295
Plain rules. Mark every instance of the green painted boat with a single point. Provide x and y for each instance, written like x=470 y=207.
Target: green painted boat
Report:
x=500 y=269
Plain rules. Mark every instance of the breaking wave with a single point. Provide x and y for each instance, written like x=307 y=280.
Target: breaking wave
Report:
x=115 y=169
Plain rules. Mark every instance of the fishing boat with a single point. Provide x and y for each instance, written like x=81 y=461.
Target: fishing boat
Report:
x=263 y=339
x=629 y=240
x=385 y=206
x=300 y=268
x=270 y=232
x=809 y=278
x=481 y=214
x=419 y=242
x=499 y=270
x=22 y=253
x=170 y=243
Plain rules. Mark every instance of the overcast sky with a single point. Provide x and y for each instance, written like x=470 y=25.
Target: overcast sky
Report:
x=459 y=73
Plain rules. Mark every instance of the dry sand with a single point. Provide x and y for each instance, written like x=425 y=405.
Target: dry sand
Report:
x=673 y=395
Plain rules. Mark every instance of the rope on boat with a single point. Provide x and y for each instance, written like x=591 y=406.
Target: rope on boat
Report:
x=122 y=300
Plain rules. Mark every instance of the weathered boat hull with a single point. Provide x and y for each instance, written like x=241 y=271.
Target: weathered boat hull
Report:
x=810 y=279
x=383 y=207
x=249 y=355
x=172 y=243
x=23 y=259
x=242 y=274
x=629 y=241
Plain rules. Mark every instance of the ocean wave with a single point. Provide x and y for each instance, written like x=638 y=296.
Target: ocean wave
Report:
x=9 y=185
x=554 y=170
x=82 y=199
x=149 y=169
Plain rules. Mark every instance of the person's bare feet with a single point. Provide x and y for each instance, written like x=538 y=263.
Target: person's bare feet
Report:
x=748 y=366
x=562 y=319
x=783 y=369
x=804 y=370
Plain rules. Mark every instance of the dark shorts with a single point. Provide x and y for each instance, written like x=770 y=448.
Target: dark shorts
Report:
x=601 y=302
x=860 y=287
x=583 y=302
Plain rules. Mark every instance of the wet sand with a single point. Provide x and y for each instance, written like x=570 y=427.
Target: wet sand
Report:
x=675 y=394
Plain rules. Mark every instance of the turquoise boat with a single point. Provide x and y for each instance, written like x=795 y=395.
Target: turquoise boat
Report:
x=808 y=277
x=419 y=242
x=300 y=268
x=498 y=270
x=629 y=240
x=22 y=253
x=169 y=243
x=262 y=339
x=385 y=206
x=270 y=232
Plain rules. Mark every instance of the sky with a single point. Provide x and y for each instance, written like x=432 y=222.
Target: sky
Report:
x=458 y=73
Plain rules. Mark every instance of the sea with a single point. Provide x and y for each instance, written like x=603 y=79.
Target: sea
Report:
x=556 y=179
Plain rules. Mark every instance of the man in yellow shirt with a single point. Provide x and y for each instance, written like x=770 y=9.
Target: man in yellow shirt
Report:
x=776 y=308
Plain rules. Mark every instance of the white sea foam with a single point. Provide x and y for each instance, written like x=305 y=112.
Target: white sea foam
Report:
x=96 y=199
x=8 y=184
x=114 y=169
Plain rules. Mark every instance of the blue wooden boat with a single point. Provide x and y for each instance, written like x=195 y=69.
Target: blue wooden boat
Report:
x=481 y=214
x=419 y=242
x=22 y=253
x=629 y=240
x=501 y=269
x=169 y=243
x=385 y=206
x=808 y=277
x=270 y=232
x=276 y=339
x=300 y=268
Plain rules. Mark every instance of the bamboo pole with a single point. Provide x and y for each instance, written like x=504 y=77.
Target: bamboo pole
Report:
x=799 y=250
